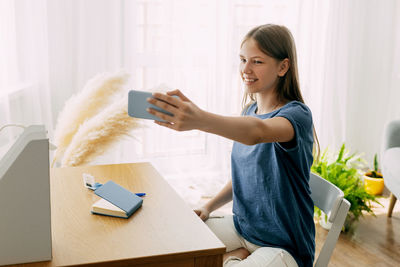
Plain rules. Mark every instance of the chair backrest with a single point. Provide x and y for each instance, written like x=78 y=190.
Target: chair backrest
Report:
x=391 y=136
x=329 y=198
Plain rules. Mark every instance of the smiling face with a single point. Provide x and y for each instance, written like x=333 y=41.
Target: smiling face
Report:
x=259 y=72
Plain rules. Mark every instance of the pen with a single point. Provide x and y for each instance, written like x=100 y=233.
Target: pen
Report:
x=140 y=194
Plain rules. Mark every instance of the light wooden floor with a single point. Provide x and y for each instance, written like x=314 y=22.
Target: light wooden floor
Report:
x=374 y=242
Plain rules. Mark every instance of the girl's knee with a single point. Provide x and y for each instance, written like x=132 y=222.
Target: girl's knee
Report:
x=224 y=229
x=264 y=257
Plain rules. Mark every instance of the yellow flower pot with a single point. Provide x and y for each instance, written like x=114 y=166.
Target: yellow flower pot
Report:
x=373 y=186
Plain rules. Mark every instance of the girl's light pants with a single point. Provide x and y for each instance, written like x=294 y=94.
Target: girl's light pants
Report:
x=225 y=230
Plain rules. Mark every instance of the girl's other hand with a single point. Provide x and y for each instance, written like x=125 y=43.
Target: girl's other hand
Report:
x=203 y=213
x=186 y=115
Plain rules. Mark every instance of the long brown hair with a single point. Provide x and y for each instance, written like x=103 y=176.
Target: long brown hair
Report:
x=277 y=42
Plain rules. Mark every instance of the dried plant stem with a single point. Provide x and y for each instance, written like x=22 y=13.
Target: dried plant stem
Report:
x=98 y=133
x=96 y=94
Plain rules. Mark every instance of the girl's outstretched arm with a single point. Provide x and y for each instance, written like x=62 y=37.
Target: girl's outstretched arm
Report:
x=245 y=129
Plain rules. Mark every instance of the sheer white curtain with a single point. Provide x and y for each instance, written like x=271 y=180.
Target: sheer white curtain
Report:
x=374 y=75
x=349 y=69
x=348 y=52
x=24 y=72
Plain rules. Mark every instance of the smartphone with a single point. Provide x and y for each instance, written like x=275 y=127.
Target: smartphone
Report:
x=137 y=105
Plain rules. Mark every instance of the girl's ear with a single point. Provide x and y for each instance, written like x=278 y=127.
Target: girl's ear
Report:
x=283 y=67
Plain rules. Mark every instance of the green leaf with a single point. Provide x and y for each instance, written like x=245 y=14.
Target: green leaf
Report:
x=376 y=162
x=340 y=155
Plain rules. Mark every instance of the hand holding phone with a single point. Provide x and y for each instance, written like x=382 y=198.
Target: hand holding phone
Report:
x=186 y=115
x=138 y=105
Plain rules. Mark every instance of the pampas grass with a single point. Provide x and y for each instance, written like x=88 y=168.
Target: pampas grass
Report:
x=88 y=124
x=98 y=133
x=96 y=94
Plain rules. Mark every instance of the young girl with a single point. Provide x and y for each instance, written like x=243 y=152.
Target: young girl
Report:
x=272 y=222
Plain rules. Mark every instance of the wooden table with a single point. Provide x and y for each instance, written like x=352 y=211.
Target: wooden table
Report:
x=163 y=232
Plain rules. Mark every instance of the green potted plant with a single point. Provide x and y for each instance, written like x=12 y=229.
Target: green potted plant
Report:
x=344 y=172
x=373 y=180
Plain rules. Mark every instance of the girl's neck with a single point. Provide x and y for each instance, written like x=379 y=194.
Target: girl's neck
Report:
x=267 y=102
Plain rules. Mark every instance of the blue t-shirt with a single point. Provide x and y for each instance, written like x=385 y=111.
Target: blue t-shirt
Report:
x=272 y=203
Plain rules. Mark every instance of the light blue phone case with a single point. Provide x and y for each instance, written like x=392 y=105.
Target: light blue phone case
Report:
x=137 y=105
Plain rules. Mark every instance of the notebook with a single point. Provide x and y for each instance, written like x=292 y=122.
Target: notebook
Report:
x=115 y=201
